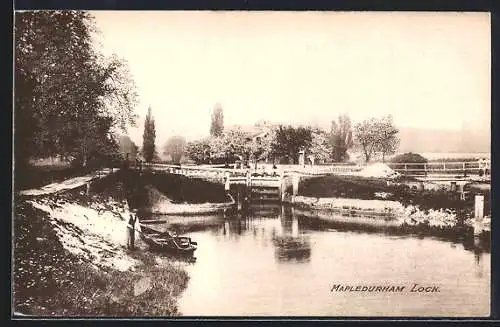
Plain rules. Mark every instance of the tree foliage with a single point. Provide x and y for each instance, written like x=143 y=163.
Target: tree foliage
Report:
x=217 y=123
x=376 y=135
x=340 y=138
x=199 y=151
x=290 y=140
x=388 y=137
x=261 y=148
x=127 y=146
x=409 y=157
x=175 y=147
x=230 y=144
x=320 y=147
x=149 y=137
x=71 y=97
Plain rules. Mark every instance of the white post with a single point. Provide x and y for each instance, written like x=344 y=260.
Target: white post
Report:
x=248 y=178
x=479 y=206
x=301 y=158
x=282 y=188
x=227 y=184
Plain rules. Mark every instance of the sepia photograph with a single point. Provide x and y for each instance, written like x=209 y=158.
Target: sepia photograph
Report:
x=251 y=164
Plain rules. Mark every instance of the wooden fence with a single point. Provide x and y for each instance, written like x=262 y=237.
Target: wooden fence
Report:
x=408 y=169
x=442 y=168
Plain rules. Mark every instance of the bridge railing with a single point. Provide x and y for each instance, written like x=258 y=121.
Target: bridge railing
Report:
x=407 y=169
x=204 y=171
x=441 y=168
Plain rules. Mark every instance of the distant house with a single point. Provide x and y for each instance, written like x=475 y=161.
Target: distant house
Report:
x=256 y=131
x=260 y=130
x=261 y=134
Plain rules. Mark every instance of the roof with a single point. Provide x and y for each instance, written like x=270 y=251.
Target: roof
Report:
x=257 y=130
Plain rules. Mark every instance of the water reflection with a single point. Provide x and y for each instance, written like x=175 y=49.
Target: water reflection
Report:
x=272 y=260
x=289 y=248
x=290 y=244
x=468 y=242
x=287 y=230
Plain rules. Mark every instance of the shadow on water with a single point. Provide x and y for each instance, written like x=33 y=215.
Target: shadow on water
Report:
x=290 y=244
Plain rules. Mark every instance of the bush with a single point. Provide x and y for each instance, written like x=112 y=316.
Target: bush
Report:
x=410 y=157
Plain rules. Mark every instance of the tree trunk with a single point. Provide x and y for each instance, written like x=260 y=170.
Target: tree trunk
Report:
x=84 y=154
x=367 y=156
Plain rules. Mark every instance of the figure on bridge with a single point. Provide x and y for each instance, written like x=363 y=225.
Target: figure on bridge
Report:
x=484 y=167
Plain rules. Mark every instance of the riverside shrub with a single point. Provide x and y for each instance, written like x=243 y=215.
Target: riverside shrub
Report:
x=411 y=158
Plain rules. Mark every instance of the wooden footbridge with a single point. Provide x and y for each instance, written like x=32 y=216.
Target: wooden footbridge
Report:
x=270 y=183
x=265 y=186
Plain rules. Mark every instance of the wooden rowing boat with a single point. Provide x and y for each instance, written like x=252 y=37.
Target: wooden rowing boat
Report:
x=166 y=241
x=182 y=209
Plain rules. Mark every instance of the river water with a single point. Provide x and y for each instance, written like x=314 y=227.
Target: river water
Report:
x=276 y=262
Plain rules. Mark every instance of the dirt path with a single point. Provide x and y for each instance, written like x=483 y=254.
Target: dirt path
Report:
x=68 y=184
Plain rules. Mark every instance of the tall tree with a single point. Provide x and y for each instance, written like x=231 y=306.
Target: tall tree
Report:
x=340 y=138
x=290 y=140
x=175 y=147
x=366 y=137
x=320 y=147
x=149 y=137
x=217 y=123
x=388 y=140
x=65 y=90
x=260 y=148
x=230 y=143
x=198 y=151
x=267 y=144
x=376 y=135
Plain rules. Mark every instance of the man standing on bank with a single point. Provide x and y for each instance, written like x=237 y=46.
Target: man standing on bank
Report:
x=131 y=231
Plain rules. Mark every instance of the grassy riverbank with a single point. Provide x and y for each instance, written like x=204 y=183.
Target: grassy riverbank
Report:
x=51 y=280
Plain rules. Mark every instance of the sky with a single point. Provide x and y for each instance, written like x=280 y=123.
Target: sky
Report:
x=428 y=70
